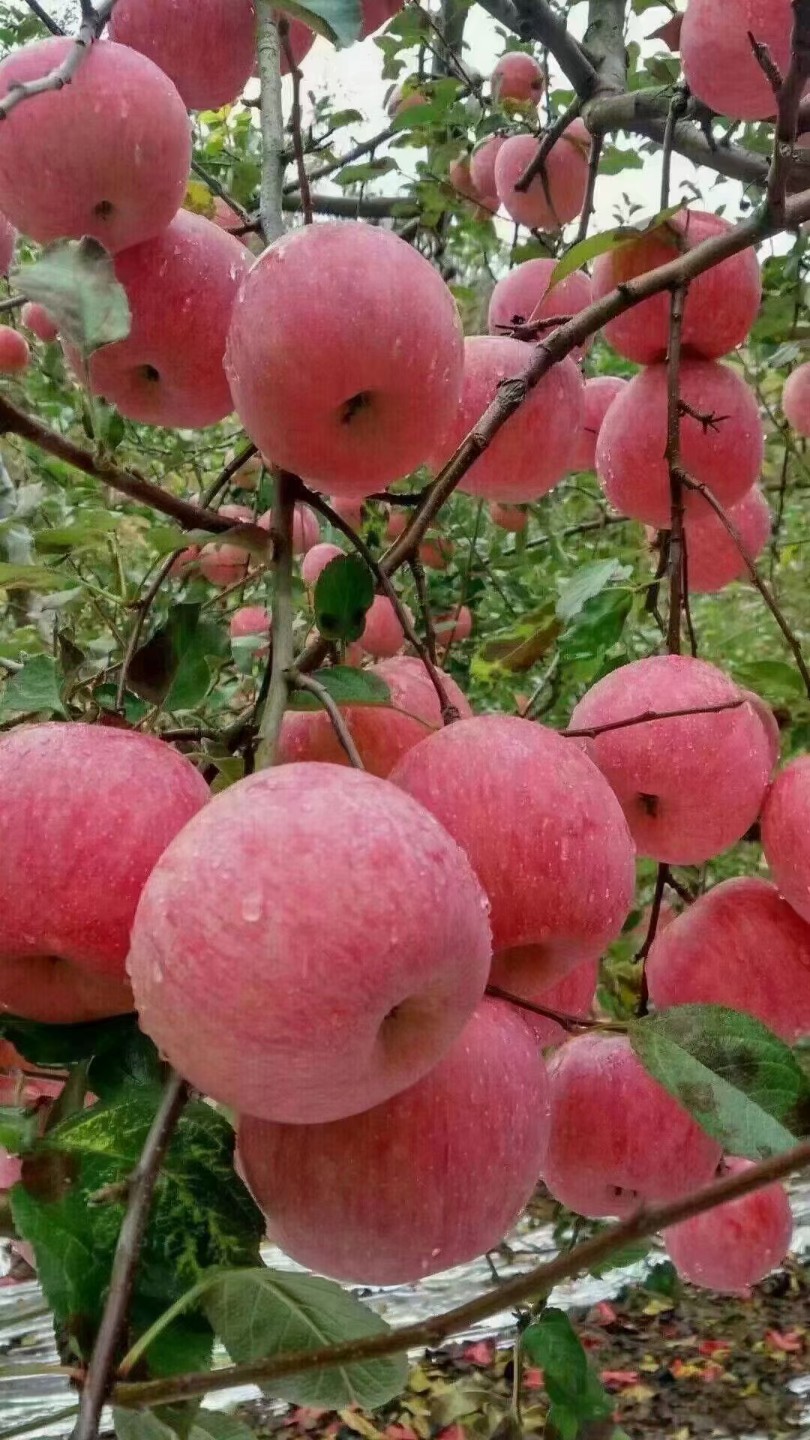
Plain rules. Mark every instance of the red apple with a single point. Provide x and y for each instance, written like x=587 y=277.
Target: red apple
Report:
x=713 y=559
x=15 y=355
x=737 y=1244
x=208 y=49
x=544 y=206
x=508 y=517
x=383 y=635
x=249 y=620
x=523 y=294
x=482 y=166
x=415 y=1212
x=796 y=399
x=785 y=819
x=297 y=1011
x=305 y=528
x=36 y=319
x=316 y=559
x=719 y=64
x=455 y=627
x=377 y=13
x=573 y=995
x=224 y=563
x=517 y=76
x=597 y=396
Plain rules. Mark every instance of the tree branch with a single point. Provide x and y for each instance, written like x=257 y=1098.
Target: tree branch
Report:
x=272 y=123
x=535 y=20
x=341 y=729
x=281 y=530
x=647 y=718
x=93 y=22
x=47 y=20
x=672 y=453
x=547 y=143
x=295 y=120
x=516 y=1291
x=788 y=99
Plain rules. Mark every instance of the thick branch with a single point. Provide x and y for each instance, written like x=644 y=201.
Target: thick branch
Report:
x=272 y=123
x=604 y=42
x=516 y=1291
x=788 y=99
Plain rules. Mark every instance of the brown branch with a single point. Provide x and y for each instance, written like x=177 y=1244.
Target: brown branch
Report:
x=366 y=147
x=788 y=99
x=295 y=119
x=677 y=538
x=537 y=164
x=756 y=578
x=140 y=1189
x=594 y=157
x=662 y=875
x=217 y=188
x=93 y=22
x=515 y=1291
x=535 y=20
x=281 y=530
x=341 y=729
x=417 y=570
x=43 y=16
x=648 y=717
x=677 y=109
x=570 y=1023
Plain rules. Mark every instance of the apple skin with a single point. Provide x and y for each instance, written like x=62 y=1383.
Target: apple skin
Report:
x=712 y=557
x=15 y=355
x=482 y=166
x=523 y=294
x=352 y=407
x=529 y=455
x=377 y=13
x=573 y=995
x=304 y=1013
x=597 y=397
x=618 y=1139
x=122 y=177
x=544 y=207
x=671 y=776
x=208 y=49
x=508 y=517
x=736 y=1245
x=36 y=319
x=223 y=563
x=796 y=399
x=382 y=733
x=453 y=628
x=517 y=76
x=306 y=531
x=415 y=1212
x=785 y=820
x=719 y=65
x=316 y=559
x=721 y=304
x=739 y=945
x=181 y=288
x=548 y=914
x=86 y=812
x=249 y=620
x=727 y=457
x=383 y=635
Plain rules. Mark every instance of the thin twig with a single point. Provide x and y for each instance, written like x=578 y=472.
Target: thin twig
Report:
x=218 y=189
x=517 y=1290
x=677 y=109
x=47 y=20
x=788 y=99
x=661 y=877
x=586 y=212
x=341 y=729
x=272 y=123
x=672 y=453
x=287 y=488
x=536 y=165
x=417 y=570
x=141 y=1188
x=570 y=1023
x=295 y=119
x=648 y=717
x=356 y=153
x=93 y=22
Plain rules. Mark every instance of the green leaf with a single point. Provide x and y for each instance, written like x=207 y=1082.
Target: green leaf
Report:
x=140 y=1425
x=214 y=1425
x=347 y=686
x=588 y=249
x=772 y=679
x=339 y=20
x=742 y=1084
x=516 y=649
x=29 y=577
x=18 y=1128
x=590 y=580
x=172 y=667
x=34 y=690
x=598 y=626
x=206 y=1425
x=344 y=592
x=261 y=1313
x=75 y=281
x=91 y=529
x=64 y=1045
x=576 y=1395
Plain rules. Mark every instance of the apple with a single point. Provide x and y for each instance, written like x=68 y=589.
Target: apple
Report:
x=181 y=288
x=248 y=476
x=718 y=62
x=517 y=76
x=770 y=725
x=353 y=406
x=122 y=136
x=349 y=509
x=453 y=628
x=725 y=453
x=544 y=206
x=405 y=96
x=523 y=294
x=618 y=1139
x=306 y=530
x=224 y=563
x=415 y=1212
x=573 y=995
x=86 y=812
x=15 y=356
x=208 y=49
x=529 y=455
x=436 y=551
x=249 y=620
x=597 y=396
x=672 y=776
x=383 y=634
x=785 y=817
x=482 y=167
x=305 y=1012
x=184 y=561
x=558 y=867
x=713 y=559
x=739 y=945
x=796 y=399
x=721 y=304
x=36 y=319
x=508 y=517
x=737 y=1244
x=316 y=559
x=382 y=733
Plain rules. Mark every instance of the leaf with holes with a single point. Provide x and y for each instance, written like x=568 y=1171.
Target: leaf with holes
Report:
x=261 y=1313
x=347 y=686
x=343 y=595
x=75 y=281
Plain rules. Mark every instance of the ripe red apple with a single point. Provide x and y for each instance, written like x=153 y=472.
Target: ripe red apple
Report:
x=224 y=563
x=301 y=40
x=397 y=524
x=573 y=995
x=316 y=559
x=618 y=1139
x=349 y=509
x=181 y=288
x=306 y=530
x=8 y=243
x=544 y=206
x=530 y=454
x=36 y=319
x=712 y=557
x=718 y=62
x=86 y=812
x=382 y=733
x=724 y=453
x=383 y=634
x=737 y=1244
x=436 y=551
x=796 y=399
x=454 y=627
x=785 y=818
x=508 y=517
x=208 y=49
x=300 y=1012
x=185 y=561
x=415 y=1212
x=482 y=166
x=350 y=405
x=523 y=294
x=739 y=945
x=598 y=394
x=517 y=76
x=249 y=620
x=770 y=725
x=15 y=355
x=458 y=173
x=558 y=867
x=122 y=136
x=672 y=776
x=721 y=304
